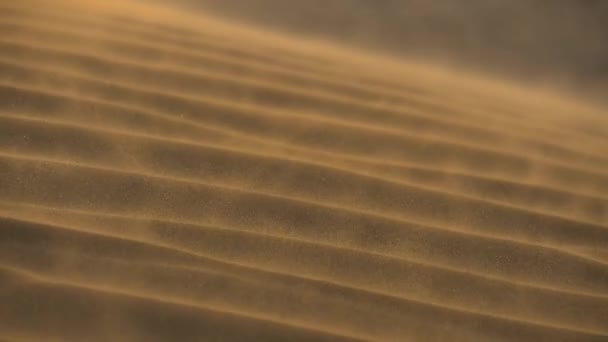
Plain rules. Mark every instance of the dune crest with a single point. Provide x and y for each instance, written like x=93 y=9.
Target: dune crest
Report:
x=165 y=176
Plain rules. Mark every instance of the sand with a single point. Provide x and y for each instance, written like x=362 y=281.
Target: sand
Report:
x=171 y=178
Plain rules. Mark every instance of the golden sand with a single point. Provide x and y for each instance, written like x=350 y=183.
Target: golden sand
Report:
x=165 y=177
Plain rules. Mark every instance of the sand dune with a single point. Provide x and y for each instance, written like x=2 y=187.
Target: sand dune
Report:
x=165 y=178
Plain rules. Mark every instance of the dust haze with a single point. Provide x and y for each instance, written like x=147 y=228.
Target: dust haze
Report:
x=558 y=43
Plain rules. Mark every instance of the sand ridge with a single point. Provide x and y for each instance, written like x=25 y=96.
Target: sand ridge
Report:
x=163 y=178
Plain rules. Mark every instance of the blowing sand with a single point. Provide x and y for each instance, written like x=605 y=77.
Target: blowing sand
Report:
x=163 y=178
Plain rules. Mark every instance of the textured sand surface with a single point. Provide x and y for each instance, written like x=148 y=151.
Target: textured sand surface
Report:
x=164 y=178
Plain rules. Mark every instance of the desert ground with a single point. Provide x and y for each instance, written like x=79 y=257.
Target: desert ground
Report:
x=166 y=176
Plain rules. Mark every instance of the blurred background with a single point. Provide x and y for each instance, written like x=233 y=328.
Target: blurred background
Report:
x=558 y=43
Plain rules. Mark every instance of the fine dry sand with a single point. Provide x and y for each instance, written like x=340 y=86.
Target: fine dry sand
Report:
x=166 y=178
